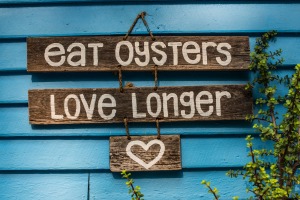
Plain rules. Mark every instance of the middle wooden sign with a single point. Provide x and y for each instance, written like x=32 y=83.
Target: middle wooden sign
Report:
x=190 y=103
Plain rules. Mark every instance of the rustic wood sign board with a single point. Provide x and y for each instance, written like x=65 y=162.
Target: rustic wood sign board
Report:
x=145 y=153
x=138 y=53
x=80 y=106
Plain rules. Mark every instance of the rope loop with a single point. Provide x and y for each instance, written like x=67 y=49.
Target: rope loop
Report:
x=143 y=14
x=139 y=16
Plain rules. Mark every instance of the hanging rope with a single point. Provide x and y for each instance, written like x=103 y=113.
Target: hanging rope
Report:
x=155 y=78
x=158 y=129
x=126 y=128
x=139 y=16
x=120 y=79
x=143 y=14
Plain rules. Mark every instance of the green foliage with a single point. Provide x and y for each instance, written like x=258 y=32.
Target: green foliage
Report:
x=275 y=179
x=211 y=190
x=134 y=191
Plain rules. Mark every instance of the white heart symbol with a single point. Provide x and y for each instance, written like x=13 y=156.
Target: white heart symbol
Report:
x=145 y=147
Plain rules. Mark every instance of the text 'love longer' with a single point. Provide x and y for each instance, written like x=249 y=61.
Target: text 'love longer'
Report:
x=139 y=104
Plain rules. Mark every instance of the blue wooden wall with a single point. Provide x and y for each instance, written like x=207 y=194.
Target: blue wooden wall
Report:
x=71 y=162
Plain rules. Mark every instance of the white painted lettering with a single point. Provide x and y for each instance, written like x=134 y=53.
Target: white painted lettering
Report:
x=166 y=98
x=80 y=53
x=77 y=106
x=186 y=51
x=158 y=104
x=218 y=100
x=134 y=108
x=190 y=103
x=52 y=107
x=175 y=46
x=88 y=109
x=226 y=53
x=95 y=47
x=102 y=105
x=49 y=53
x=200 y=101
x=130 y=54
x=142 y=53
x=163 y=59
x=204 y=50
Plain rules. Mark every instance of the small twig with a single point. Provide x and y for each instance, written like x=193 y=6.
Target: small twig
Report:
x=135 y=191
x=273 y=119
x=261 y=119
x=132 y=187
x=255 y=173
x=298 y=137
x=211 y=190
x=265 y=192
x=281 y=158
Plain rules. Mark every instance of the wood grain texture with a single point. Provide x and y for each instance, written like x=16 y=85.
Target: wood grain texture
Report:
x=239 y=53
x=120 y=159
x=234 y=108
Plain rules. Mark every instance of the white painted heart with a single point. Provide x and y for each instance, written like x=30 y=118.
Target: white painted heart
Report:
x=145 y=147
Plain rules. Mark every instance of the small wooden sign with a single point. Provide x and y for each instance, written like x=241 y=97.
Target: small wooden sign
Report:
x=138 y=53
x=145 y=153
x=191 y=103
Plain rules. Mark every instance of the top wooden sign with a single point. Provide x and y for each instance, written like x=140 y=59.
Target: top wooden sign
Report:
x=138 y=53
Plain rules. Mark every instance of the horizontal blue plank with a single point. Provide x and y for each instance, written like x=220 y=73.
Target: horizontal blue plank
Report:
x=75 y=154
x=14 y=87
x=107 y=186
x=13 y=56
x=38 y=2
x=167 y=185
x=13 y=53
x=15 y=123
x=110 y=186
x=54 y=154
x=162 y=18
x=43 y=186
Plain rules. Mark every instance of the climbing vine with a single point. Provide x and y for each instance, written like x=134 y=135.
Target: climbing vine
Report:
x=135 y=192
x=272 y=173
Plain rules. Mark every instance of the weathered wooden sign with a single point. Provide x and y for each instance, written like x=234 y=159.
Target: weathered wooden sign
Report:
x=78 y=106
x=145 y=153
x=106 y=53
